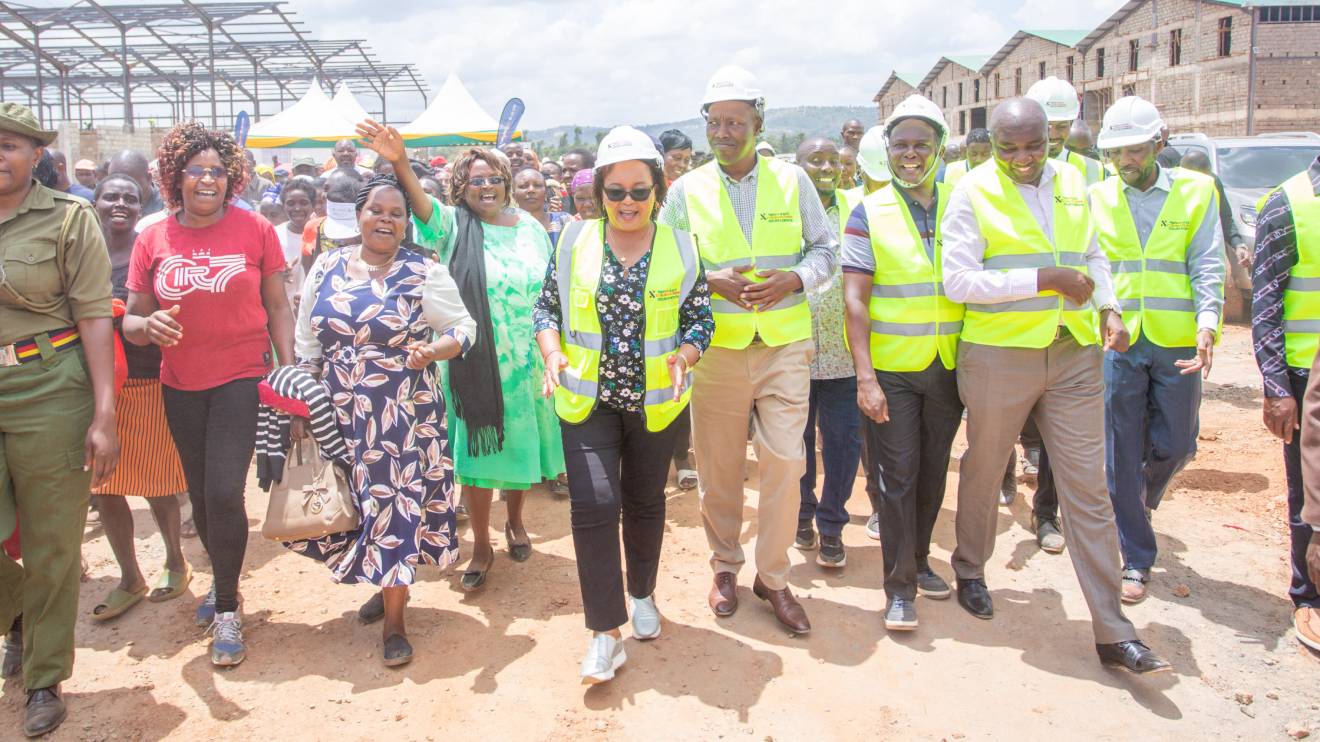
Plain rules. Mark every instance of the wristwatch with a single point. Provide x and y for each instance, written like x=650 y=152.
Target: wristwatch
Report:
x=1112 y=308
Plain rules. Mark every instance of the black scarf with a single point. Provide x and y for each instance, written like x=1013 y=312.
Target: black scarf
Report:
x=474 y=380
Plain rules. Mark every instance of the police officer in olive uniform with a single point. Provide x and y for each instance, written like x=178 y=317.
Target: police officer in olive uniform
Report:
x=57 y=413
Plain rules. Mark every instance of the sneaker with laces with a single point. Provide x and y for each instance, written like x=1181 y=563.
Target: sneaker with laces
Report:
x=900 y=614
x=930 y=584
x=806 y=536
x=227 y=647
x=831 y=552
x=205 y=615
x=873 y=527
x=604 y=656
x=645 y=618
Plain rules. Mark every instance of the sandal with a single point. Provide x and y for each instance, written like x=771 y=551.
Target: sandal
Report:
x=519 y=552
x=687 y=479
x=172 y=583
x=117 y=603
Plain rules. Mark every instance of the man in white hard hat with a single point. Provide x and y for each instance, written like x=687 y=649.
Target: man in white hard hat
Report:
x=1020 y=253
x=1285 y=330
x=1160 y=231
x=765 y=242
x=833 y=402
x=903 y=332
x=1062 y=106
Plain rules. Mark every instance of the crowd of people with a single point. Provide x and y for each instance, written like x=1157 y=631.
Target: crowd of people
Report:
x=495 y=321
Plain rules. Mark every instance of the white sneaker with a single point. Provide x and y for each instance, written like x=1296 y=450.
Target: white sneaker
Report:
x=873 y=527
x=604 y=656
x=645 y=618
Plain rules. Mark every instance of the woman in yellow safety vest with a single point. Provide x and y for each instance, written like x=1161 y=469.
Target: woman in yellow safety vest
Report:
x=623 y=316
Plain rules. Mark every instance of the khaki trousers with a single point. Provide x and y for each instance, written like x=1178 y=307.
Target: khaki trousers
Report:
x=45 y=408
x=771 y=387
x=1063 y=386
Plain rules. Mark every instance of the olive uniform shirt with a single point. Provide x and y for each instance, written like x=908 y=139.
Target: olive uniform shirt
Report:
x=27 y=265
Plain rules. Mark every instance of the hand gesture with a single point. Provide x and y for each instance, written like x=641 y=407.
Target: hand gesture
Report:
x=555 y=363
x=729 y=283
x=871 y=400
x=163 y=329
x=383 y=140
x=1073 y=285
x=777 y=285
x=678 y=369
x=420 y=355
x=1114 y=332
x=1205 y=353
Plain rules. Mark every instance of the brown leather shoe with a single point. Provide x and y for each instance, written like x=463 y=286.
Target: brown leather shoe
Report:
x=787 y=609
x=723 y=596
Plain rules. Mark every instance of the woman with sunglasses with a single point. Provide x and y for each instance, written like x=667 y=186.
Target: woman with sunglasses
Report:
x=504 y=434
x=206 y=284
x=623 y=316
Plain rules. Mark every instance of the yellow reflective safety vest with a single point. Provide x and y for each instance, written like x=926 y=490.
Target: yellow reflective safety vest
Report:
x=776 y=244
x=1152 y=283
x=1015 y=240
x=1090 y=169
x=672 y=274
x=912 y=321
x=954 y=171
x=1301 y=297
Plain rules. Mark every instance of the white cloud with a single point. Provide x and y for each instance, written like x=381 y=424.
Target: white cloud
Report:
x=634 y=61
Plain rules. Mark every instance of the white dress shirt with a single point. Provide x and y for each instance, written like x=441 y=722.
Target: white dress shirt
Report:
x=968 y=282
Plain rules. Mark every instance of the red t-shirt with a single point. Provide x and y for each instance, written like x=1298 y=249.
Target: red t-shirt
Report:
x=214 y=274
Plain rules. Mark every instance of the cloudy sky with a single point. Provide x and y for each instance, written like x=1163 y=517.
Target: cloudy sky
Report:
x=604 y=62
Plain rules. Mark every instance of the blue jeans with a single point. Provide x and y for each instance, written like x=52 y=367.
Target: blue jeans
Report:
x=1152 y=416
x=834 y=405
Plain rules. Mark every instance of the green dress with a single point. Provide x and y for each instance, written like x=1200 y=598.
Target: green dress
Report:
x=516 y=258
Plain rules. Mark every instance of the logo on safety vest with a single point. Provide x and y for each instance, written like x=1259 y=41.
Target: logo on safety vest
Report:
x=1069 y=201
x=1176 y=225
x=777 y=217
x=663 y=294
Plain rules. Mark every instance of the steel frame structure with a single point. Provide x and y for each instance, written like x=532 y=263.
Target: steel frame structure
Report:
x=92 y=61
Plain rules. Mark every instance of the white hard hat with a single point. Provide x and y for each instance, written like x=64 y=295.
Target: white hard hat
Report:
x=1131 y=120
x=765 y=148
x=1057 y=97
x=873 y=154
x=624 y=143
x=919 y=107
x=732 y=83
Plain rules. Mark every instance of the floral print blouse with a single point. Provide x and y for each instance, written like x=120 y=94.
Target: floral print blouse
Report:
x=619 y=305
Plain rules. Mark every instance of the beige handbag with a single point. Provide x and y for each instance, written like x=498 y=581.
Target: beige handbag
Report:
x=312 y=500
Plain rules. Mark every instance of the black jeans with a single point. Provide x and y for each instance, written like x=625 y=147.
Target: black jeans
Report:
x=616 y=467
x=910 y=465
x=1301 y=590
x=683 y=440
x=215 y=431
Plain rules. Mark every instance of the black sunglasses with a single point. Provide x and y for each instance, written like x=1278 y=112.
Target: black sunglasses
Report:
x=617 y=194
x=494 y=180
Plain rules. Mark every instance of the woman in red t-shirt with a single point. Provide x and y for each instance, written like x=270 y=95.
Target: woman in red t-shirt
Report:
x=207 y=286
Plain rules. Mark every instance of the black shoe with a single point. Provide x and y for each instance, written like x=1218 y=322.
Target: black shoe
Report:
x=396 y=651
x=806 y=536
x=519 y=552
x=373 y=610
x=930 y=584
x=13 y=661
x=831 y=552
x=975 y=597
x=1132 y=656
x=45 y=711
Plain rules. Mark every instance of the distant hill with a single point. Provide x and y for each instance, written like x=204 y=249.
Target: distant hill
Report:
x=779 y=123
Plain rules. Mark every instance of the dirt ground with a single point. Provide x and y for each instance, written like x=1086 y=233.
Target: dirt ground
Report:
x=502 y=664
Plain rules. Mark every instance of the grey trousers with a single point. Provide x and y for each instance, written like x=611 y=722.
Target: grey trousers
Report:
x=1064 y=386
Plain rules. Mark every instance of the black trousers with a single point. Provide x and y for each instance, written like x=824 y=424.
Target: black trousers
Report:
x=682 y=426
x=1045 y=503
x=616 y=471
x=215 y=431
x=909 y=463
x=1301 y=590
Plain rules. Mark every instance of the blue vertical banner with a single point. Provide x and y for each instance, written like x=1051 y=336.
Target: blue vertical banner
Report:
x=241 y=126
x=509 y=118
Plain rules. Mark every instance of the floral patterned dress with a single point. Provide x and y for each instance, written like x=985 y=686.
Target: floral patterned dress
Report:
x=393 y=420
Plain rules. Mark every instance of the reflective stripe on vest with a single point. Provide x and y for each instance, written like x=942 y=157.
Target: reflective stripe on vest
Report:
x=669 y=279
x=776 y=244
x=911 y=320
x=1301 y=297
x=1015 y=240
x=1151 y=281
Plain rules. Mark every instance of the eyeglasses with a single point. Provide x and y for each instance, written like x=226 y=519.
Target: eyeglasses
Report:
x=617 y=194
x=494 y=180
x=197 y=172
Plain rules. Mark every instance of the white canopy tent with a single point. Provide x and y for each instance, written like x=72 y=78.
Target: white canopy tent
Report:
x=314 y=121
x=347 y=104
x=453 y=118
